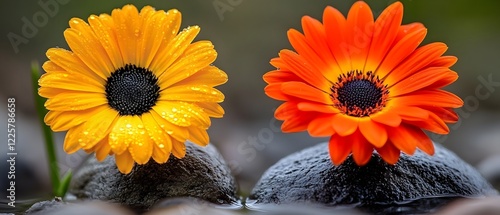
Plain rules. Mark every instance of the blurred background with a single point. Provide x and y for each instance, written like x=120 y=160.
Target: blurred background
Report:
x=247 y=34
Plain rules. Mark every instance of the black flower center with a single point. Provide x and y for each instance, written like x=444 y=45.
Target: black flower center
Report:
x=359 y=94
x=132 y=90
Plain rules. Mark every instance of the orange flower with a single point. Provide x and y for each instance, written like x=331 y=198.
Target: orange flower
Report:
x=365 y=84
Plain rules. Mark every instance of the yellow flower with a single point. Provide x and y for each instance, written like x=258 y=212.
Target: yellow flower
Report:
x=132 y=86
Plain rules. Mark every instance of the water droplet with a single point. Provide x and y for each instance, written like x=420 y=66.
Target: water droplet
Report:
x=140 y=126
x=170 y=132
x=161 y=146
x=128 y=126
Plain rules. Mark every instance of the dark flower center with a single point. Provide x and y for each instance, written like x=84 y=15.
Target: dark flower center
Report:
x=359 y=94
x=132 y=90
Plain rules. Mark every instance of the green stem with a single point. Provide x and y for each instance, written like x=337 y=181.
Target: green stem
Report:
x=47 y=133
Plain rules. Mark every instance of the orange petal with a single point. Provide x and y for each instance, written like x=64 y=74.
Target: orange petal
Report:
x=444 y=81
x=405 y=138
x=439 y=98
x=286 y=110
x=339 y=148
x=419 y=59
x=411 y=113
x=278 y=76
x=425 y=144
x=320 y=126
x=317 y=107
x=386 y=29
x=401 y=50
x=274 y=91
x=360 y=31
x=315 y=35
x=306 y=91
x=304 y=49
x=434 y=124
x=425 y=78
x=447 y=114
x=361 y=150
x=374 y=132
x=388 y=117
x=344 y=125
x=304 y=70
x=408 y=29
x=389 y=153
x=298 y=123
x=444 y=61
x=335 y=24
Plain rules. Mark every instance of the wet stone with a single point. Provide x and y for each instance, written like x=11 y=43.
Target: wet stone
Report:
x=190 y=206
x=202 y=174
x=45 y=207
x=93 y=207
x=416 y=184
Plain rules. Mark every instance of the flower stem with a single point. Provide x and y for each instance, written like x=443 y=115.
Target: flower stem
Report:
x=47 y=133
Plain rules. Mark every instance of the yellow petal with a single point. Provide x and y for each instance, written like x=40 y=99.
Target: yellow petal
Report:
x=160 y=155
x=192 y=93
x=179 y=149
x=102 y=26
x=198 y=135
x=152 y=34
x=103 y=150
x=196 y=57
x=84 y=43
x=182 y=113
x=64 y=120
x=126 y=131
x=210 y=76
x=126 y=21
x=157 y=134
x=124 y=162
x=168 y=53
x=141 y=148
x=72 y=101
x=71 y=143
x=212 y=109
x=70 y=62
x=97 y=127
x=70 y=81
x=177 y=132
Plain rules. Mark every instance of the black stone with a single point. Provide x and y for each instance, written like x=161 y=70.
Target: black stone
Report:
x=416 y=184
x=202 y=174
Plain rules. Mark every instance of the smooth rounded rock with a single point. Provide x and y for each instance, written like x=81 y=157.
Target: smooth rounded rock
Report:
x=77 y=208
x=45 y=207
x=190 y=206
x=202 y=174
x=418 y=183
